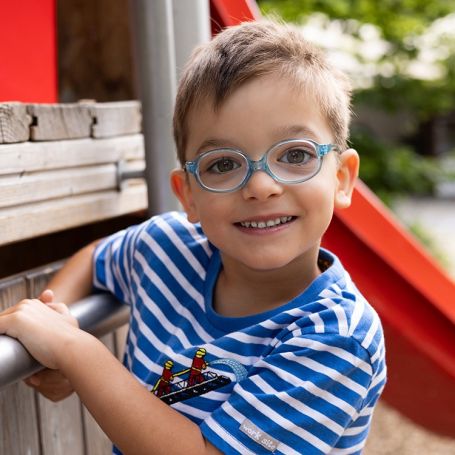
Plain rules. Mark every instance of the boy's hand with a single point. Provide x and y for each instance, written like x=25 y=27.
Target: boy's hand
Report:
x=50 y=383
x=43 y=328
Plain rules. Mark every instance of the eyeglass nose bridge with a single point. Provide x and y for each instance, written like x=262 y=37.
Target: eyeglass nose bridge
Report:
x=259 y=165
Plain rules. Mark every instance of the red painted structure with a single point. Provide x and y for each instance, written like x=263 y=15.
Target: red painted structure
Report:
x=28 y=51
x=413 y=296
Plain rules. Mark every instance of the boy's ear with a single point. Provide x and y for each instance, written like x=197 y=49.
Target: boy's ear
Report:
x=181 y=188
x=348 y=171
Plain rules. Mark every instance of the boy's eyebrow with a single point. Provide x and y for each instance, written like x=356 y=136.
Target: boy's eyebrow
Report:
x=294 y=131
x=214 y=143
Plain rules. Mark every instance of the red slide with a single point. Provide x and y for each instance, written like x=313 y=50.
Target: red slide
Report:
x=413 y=296
x=416 y=302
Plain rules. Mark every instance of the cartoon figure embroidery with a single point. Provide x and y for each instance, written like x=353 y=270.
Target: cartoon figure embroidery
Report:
x=196 y=376
x=163 y=385
x=197 y=382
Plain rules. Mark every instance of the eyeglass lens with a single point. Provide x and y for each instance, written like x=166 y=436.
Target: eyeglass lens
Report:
x=226 y=169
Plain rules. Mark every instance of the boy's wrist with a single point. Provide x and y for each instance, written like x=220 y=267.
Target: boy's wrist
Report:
x=71 y=349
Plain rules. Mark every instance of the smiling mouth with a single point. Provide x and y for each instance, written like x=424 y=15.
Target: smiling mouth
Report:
x=264 y=224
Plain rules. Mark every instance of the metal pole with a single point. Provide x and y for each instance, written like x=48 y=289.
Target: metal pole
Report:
x=191 y=26
x=98 y=314
x=153 y=41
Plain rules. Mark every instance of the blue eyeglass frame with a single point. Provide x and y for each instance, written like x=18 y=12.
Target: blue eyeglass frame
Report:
x=260 y=165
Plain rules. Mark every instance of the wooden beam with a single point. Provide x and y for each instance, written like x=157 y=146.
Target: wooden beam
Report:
x=32 y=220
x=116 y=119
x=14 y=123
x=49 y=122
x=38 y=156
x=52 y=122
x=26 y=189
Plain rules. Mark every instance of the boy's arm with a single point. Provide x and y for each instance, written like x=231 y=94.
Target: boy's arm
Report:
x=136 y=420
x=133 y=418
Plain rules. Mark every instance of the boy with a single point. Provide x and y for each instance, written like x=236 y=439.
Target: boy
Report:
x=245 y=337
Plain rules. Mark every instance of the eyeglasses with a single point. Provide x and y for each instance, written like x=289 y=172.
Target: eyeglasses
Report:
x=227 y=169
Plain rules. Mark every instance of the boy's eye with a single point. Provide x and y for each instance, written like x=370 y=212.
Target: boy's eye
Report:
x=297 y=156
x=222 y=165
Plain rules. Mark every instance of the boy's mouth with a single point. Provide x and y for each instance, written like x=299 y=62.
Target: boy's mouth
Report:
x=264 y=224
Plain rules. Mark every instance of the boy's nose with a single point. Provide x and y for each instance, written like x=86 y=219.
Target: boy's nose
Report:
x=261 y=186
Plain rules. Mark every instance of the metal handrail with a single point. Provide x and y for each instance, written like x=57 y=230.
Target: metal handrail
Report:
x=97 y=314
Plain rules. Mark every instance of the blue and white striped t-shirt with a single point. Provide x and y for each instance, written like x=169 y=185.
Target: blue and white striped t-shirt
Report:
x=300 y=379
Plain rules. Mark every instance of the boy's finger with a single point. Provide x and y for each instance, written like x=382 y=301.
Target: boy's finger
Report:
x=47 y=296
x=33 y=380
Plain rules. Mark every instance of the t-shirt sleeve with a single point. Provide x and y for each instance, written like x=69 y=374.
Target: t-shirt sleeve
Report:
x=298 y=400
x=112 y=263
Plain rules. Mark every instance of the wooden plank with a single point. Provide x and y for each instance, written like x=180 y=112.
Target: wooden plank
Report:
x=61 y=426
x=115 y=119
x=14 y=123
x=19 y=423
x=60 y=423
x=51 y=122
x=26 y=189
x=31 y=220
x=96 y=441
x=39 y=156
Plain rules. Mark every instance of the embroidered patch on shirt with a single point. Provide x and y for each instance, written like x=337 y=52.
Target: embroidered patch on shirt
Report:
x=256 y=434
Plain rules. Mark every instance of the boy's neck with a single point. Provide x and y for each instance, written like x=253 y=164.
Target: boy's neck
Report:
x=241 y=291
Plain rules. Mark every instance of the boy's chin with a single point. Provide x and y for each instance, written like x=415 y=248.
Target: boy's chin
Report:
x=261 y=263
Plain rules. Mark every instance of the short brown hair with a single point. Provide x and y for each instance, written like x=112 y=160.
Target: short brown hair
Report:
x=255 y=49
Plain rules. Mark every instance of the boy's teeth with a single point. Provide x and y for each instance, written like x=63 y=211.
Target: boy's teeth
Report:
x=265 y=224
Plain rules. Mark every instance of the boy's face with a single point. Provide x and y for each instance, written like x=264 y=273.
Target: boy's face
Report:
x=257 y=115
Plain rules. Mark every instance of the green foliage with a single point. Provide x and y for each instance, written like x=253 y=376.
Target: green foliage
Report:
x=401 y=22
x=392 y=170
x=424 y=98
x=397 y=19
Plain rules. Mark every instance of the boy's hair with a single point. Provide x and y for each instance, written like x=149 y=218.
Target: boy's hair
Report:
x=251 y=50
